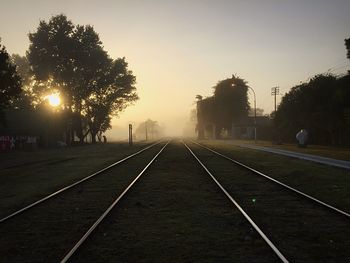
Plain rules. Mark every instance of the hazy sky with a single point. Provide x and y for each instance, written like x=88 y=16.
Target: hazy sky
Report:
x=178 y=49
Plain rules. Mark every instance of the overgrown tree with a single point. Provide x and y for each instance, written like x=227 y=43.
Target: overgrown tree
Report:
x=231 y=101
x=228 y=105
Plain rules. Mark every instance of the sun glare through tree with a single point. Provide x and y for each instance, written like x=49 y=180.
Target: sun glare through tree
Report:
x=54 y=99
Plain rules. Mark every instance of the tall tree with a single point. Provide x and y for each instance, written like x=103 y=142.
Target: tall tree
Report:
x=317 y=106
x=114 y=91
x=227 y=106
x=72 y=59
x=10 y=82
x=56 y=54
x=231 y=101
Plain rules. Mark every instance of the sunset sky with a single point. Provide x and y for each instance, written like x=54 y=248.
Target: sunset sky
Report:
x=178 y=49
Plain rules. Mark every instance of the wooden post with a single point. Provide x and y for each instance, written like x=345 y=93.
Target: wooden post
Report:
x=130 y=134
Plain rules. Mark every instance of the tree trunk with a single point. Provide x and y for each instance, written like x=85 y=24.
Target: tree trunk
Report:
x=93 y=137
x=99 y=136
x=84 y=136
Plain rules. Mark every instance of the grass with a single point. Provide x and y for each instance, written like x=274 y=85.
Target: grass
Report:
x=175 y=213
x=301 y=229
x=340 y=153
x=47 y=232
x=27 y=176
x=327 y=183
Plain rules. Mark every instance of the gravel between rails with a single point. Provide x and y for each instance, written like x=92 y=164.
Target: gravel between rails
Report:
x=175 y=213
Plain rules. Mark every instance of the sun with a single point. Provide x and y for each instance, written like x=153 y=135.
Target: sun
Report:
x=54 y=99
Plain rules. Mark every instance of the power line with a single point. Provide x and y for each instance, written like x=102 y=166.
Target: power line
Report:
x=337 y=67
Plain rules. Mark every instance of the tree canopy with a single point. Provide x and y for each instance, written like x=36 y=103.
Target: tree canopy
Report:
x=229 y=104
x=10 y=82
x=70 y=59
x=320 y=106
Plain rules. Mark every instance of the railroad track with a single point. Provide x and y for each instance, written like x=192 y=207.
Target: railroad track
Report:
x=290 y=188
x=108 y=210
x=82 y=252
x=321 y=230
x=244 y=213
x=149 y=210
x=78 y=182
x=61 y=216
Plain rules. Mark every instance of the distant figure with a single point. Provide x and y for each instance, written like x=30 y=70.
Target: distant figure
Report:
x=302 y=137
x=12 y=143
x=104 y=139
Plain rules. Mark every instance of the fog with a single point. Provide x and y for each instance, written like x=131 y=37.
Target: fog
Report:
x=176 y=126
x=178 y=49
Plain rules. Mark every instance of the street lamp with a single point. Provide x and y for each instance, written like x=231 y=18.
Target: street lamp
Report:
x=233 y=76
x=254 y=113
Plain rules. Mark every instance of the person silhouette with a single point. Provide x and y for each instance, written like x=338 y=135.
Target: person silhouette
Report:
x=302 y=137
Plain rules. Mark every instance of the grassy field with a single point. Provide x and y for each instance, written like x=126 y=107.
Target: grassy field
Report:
x=46 y=232
x=340 y=153
x=301 y=229
x=324 y=182
x=27 y=176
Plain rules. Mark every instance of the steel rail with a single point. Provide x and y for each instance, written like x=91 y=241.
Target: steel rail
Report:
x=74 y=184
x=261 y=233
x=100 y=219
x=334 y=209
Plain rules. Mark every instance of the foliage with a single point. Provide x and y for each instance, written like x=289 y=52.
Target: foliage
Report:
x=10 y=82
x=113 y=92
x=319 y=106
x=70 y=58
x=231 y=101
x=228 y=105
x=27 y=98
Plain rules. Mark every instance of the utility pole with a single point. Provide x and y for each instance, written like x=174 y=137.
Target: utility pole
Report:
x=130 y=134
x=274 y=92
